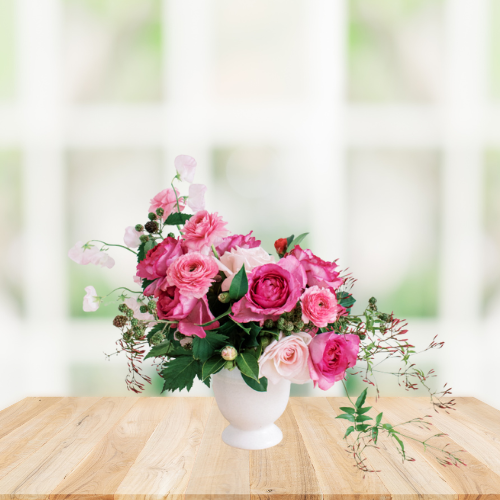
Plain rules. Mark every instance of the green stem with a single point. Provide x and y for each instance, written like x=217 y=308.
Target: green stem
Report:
x=216 y=319
x=112 y=245
x=120 y=288
x=347 y=393
x=176 y=200
x=215 y=252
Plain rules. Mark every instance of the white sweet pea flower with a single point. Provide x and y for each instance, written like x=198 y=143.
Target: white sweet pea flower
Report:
x=85 y=254
x=91 y=301
x=131 y=237
x=186 y=167
x=196 y=198
x=104 y=260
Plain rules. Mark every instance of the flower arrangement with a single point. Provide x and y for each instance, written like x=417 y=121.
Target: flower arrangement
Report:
x=210 y=300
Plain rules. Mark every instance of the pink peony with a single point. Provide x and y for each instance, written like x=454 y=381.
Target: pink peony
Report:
x=204 y=230
x=329 y=357
x=286 y=358
x=91 y=301
x=159 y=258
x=237 y=240
x=186 y=167
x=319 y=272
x=188 y=311
x=166 y=199
x=230 y=262
x=196 y=198
x=272 y=290
x=192 y=274
x=319 y=306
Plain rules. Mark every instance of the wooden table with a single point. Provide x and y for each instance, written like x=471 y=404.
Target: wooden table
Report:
x=155 y=448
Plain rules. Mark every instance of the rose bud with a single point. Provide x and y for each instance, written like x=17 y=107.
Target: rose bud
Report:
x=229 y=353
x=281 y=246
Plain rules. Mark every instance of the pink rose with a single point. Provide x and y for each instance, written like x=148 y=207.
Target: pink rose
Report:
x=272 y=290
x=192 y=274
x=319 y=272
x=159 y=258
x=286 y=358
x=196 y=198
x=329 y=357
x=319 y=306
x=230 y=262
x=204 y=230
x=237 y=240
x=166 y=199
x=186 y=167
x=188 y=311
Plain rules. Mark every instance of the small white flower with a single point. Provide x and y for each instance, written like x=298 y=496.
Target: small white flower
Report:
x=131 y=237
x=91 y=301
x=196 y=198
x=186 y=167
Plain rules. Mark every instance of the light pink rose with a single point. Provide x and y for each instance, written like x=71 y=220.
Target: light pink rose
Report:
x=319 y=272
x=204 y=230
x=91 y=301
x=286 y=358
x=196 y=198
x=319 y=306
x=330 y=355
x=186 y=167
x=90 y=254
x=166 y=199
x=237 y=240
x=131 y=237
x=230 y=262
x=135 y=306
x=192 y=274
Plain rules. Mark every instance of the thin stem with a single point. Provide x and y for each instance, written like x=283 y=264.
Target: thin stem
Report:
x=112 y=245
x=215 y=252
x=120 y=288
x=176 y=200
x=347 y=394
x=216 y=319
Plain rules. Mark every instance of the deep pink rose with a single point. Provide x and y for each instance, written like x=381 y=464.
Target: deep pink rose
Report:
x=192 y=274
x=272 y=290
x=204 y=230
x=167 y=200
x=318 y=271
x=237 y=240
x=189 y=312
x=159 y=258
x=329 y=357
x=319 y=306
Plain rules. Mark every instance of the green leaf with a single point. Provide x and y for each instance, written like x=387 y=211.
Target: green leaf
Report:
x=361 y=400
x=211 y=366
x=288 y=241
x=146 y=283
x=362 y=427
x=179 y=373
x=375 y=434
x=177 y=219
x=297 y=241
x=378 y=418
x=346 y=416
x=257 y=385
x=248 y=365
x=400 y=443
x=347 y=409
x=239 y=285
x=204 y=348
x=364 y=410
x=244 y=328
x=387 y=427
x=160 y=350
x=363 y=418
x=348 y=431
x=345 y=299
x=251 y=340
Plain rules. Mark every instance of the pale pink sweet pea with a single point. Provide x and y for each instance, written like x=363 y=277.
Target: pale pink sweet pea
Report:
x=186 y=167
x=237 y=240
x=105 y=260
x=330 y=355
x=231 y=262
x=90 y=254
x=167 y=200
x=135 y=306
x=132 y=237
x=91 y=301
x=204 y=230
x=192 y=274
x=286 y=358
x=319 y=306
x=196 y=198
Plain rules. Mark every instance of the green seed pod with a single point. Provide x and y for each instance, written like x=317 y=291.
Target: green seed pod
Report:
x=134 y=322
x=372 y=301
x=143 y=309
x=127 y=336
x=120 y=321
x=289 y=326
x=281 y=323
x=269 y=323
x=139 y=227
x=152 y=216
x=160 y=211
x=171 y=235
x=144 y=238
x=299 y=324
x=122 y=308
x=157 y=338
x=129 y=313
x=264 y=342
x=152 y=306
x=229 y=365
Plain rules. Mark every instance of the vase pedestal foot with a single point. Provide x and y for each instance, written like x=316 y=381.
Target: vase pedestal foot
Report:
x=252 y=440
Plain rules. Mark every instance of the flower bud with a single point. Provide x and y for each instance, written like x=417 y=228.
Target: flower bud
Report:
x=372 y=301
x=122 y=308
x=144 y=238
x=224 y=297
x=299 y=325
x=143 y=309
x=129 y=313
x=264 y=342
x=157 y=338
x=134 y=322
x=229 y=353
x=139 y=228
x=289 y=326
x=160 y=211
x=152 y=306
x=127 y=336
x=171 y=235
x=229 y=365
x=281 y=323
x=179 y=336
x=269 y=323
x=152 y=216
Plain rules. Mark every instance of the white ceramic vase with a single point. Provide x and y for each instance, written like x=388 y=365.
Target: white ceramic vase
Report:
x=251 y=414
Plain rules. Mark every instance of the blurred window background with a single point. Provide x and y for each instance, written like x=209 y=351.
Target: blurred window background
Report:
x=373 y=125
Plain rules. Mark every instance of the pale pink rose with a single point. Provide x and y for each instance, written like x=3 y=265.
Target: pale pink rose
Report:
x=204 y=230
x=131 y=237
x=91 y=301
x=237 y=240
x=135 y=306
x=230 y=262
x=319 y=306
x=166 y=199
x=196 y=198
x=186 y=167
x=192 y=274
x=90 y=254
x=330 y=355
x=286 y=358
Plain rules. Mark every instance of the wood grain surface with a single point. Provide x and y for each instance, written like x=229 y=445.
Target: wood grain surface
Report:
x=170 y=448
